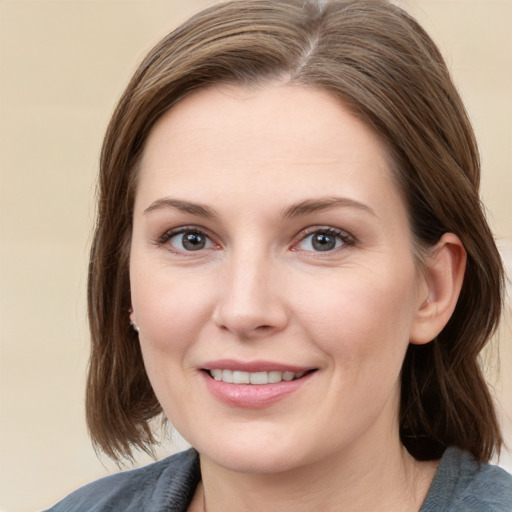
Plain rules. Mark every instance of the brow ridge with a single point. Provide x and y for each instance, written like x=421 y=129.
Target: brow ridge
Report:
x=315 y=205
x=295 y=210
x=183 y=206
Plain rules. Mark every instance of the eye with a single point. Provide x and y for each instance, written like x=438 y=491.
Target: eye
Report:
x=324 y=240
x=188 y=240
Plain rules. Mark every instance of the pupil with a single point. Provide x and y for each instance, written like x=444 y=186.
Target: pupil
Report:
x=193 y=241
x=323 y=242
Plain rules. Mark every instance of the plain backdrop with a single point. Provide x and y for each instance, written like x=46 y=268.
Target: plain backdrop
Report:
x=63 y=65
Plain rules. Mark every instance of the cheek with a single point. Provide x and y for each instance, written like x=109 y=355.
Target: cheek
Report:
x=171 y=313
x=170 y=309
x=361 y=315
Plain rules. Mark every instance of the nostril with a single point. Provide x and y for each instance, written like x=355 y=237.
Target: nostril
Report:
x=250 y=320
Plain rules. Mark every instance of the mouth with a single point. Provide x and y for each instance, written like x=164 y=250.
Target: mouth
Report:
x=255 y=384
x=255 y=378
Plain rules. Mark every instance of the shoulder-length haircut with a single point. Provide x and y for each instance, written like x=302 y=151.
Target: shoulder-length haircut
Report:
x=382 y=65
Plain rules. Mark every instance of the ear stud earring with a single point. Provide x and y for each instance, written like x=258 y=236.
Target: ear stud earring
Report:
x=136 y=328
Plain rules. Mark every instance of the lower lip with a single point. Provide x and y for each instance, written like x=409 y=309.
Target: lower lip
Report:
x=253 y=396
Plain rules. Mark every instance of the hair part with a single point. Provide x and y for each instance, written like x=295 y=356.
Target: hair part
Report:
x=382 y=65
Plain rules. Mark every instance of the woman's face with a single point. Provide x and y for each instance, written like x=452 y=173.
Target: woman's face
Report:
x=271 y=243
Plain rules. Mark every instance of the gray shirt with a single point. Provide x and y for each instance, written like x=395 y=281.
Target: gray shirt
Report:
x=460 y=485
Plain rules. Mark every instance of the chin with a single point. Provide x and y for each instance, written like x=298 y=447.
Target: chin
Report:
x=254 y=461
x=250 y=454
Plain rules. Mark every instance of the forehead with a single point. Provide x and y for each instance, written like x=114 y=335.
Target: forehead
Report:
x=296 y=139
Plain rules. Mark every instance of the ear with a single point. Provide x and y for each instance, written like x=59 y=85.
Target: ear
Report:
x=439 y=289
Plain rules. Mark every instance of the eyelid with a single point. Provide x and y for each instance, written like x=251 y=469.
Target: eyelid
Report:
x=170 y=233
x=345 y=236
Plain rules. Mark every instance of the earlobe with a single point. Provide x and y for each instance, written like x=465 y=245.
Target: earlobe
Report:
x=442 y=281
x=133 y=322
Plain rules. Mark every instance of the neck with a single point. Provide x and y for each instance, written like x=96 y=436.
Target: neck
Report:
x=384 y=479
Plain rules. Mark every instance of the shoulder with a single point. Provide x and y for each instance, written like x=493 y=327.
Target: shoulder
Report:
x=463 y=484
x=165 y=485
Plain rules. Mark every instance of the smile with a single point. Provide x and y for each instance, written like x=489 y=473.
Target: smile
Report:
x=258 y=378
x=255 y=384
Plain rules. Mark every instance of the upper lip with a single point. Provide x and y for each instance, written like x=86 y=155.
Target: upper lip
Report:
x=253 y=366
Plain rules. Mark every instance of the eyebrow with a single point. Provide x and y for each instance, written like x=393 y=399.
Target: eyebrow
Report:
x=315 y=205
x=182 y=206
x=295 y=210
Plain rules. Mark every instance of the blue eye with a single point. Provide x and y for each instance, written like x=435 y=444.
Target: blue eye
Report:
x=323 y=241
x=189 y=240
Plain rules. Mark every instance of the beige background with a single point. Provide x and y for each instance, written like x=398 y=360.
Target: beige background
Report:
x=63 y=64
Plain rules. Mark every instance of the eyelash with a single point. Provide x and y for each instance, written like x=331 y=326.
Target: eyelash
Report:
x=168 y=235
x=345 y=238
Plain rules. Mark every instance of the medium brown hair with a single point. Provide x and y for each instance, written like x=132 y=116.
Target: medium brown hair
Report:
x=381 y=64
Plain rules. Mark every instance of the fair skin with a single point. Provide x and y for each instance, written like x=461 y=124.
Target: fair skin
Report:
x=269 y=236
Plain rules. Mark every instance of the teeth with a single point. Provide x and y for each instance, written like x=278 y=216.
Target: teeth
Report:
x=218 y=374
x=275 y=377
x=239 y=377
x=258 y=378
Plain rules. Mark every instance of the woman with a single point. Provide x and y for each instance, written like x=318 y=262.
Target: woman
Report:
x=291 y=263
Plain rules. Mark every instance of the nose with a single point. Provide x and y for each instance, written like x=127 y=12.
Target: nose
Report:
x=251 y=302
